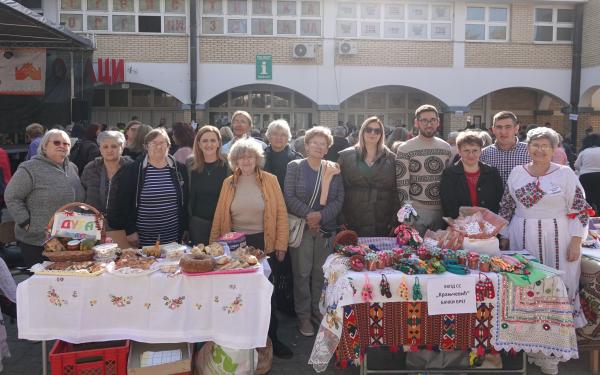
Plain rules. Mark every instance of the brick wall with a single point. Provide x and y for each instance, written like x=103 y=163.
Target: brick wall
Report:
x=591 y=34
x=238 y=50
x=453 y=122
x=514 y=100
x=328 y=118
x=520 y=51
x=143 y=48
x=399 y=53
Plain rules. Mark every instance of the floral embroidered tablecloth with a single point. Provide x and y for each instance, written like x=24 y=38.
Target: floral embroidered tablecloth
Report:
x=231 y=310
x=537 y=318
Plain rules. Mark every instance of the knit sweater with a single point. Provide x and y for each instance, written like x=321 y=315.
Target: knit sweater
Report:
x=38 y=188
x=419 y=165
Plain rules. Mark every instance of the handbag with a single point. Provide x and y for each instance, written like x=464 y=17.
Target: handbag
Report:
x=296 y=224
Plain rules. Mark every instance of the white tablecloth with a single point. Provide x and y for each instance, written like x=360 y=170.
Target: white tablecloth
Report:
x=231 y=310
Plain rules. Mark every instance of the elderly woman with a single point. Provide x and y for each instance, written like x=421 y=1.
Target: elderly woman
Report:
x=98 y=174
x=279 y=153
x=469 y=182
x=148 y=198
x=369 y=175
x=207 y=170
x=39 y=187
x=301 y=180
x=548 y=215
x=251 y=202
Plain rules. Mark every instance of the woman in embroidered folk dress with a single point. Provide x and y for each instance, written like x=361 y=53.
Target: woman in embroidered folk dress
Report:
x=548 y=215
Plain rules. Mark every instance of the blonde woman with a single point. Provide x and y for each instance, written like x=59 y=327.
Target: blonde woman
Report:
x=369 y=175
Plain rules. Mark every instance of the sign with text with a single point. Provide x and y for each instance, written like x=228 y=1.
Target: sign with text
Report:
x=264 y=67
x=451 y=295
x=75 y=225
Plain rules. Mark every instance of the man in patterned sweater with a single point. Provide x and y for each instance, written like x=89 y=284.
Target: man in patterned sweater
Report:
x=419 y=165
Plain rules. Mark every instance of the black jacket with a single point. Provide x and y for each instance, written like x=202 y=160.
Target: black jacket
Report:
x=338 y=145
x=454 y=190
x=276 y=162
x=370 y=199
x=124 y=194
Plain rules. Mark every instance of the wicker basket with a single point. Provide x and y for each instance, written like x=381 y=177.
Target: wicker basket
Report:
x=74 y=256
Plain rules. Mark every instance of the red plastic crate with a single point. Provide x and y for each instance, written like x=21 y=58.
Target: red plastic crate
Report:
x=97 y=358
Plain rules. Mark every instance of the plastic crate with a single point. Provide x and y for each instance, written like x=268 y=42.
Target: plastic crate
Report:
x=97 y=358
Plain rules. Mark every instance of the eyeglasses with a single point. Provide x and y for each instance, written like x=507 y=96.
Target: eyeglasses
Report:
x=317 y=144
x=157 y=144
x=59 y=143
x=369 y=130
x=424 y=121
x=540 y=147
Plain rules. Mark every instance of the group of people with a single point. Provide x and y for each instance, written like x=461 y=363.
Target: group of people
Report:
x=209 y=188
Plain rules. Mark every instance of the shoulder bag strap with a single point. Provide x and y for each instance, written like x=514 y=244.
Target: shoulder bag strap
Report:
x=317 y=185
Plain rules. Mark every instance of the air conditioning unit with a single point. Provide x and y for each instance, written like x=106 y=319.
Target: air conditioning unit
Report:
x=347 y=48
x=303 y=51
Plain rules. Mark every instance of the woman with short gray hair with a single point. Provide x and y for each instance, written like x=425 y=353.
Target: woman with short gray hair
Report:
x=543 y=133
x=279 y=153
x=39 y=187
x=98 y=173
x=252 y=202
x=548 y=214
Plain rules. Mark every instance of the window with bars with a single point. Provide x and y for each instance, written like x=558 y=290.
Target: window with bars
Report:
x=262 y=17
x=394 y=20
x=125 y=16
x=487 y=23
x=554 y=25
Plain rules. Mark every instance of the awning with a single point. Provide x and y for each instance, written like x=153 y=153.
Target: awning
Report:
x=22 y=27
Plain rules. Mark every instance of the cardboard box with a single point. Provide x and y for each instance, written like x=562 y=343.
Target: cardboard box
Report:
x=174 y=368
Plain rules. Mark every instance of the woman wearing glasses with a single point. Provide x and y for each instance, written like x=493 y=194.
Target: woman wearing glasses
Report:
x=304 y=177
x=548 y=215
x=369 y=176
x=148 y=198
x=39 y=187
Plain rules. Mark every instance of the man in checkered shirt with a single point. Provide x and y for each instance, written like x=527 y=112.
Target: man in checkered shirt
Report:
x=507 y=152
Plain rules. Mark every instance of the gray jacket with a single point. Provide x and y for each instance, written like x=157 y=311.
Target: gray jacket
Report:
x=95 y=182
x=38 y=188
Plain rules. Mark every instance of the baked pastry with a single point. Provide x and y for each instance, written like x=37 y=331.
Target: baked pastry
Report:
x=215 y=249
x=198 y=250
x=251 y=260
x=54 y=244
x=197 y=264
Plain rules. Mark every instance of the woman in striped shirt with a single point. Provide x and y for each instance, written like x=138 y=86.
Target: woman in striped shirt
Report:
x=148 y=198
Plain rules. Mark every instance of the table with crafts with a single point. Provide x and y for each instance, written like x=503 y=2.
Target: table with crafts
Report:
x=359 y=313
x=232 y=310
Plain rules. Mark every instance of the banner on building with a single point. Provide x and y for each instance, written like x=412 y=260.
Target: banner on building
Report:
x=22 y=71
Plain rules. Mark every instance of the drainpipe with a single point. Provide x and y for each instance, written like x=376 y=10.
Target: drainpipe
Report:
x=193 y=57
x=576 y=69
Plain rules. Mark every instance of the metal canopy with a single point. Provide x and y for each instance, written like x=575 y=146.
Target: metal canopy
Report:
x=22 y=27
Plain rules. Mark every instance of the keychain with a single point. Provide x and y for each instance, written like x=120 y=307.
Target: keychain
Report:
x=403 y=290
x=384 y=287
x=367 y=290
x=417 y=295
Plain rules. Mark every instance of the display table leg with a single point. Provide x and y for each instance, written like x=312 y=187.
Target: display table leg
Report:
x=595 y=361
x=251 y=361
x=44 y=358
